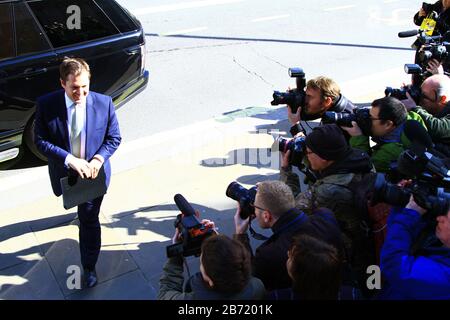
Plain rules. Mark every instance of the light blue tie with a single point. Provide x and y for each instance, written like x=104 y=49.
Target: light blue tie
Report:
x=75 y=131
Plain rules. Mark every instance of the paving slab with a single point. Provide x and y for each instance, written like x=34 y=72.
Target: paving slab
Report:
x=32 y=280
x=128 y=286
x=62 y=251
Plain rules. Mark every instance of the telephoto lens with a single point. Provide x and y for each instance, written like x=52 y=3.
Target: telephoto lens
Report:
x=245 y=197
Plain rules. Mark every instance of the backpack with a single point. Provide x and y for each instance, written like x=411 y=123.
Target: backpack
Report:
x=375 y=216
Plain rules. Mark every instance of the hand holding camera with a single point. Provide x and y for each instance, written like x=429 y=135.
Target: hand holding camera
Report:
x=409 y=102
x=241 y=225
x=414 y=206
x=435 y=67
x=354 y=130
x=294 y=117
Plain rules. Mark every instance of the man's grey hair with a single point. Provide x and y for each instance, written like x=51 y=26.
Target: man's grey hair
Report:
x=276 y=197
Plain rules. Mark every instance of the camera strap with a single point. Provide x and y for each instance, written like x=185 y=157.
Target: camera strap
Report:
x=255 y=235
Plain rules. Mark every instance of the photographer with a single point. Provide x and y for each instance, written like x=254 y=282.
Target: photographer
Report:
x=421 y=275
x=388 y=116
x=315 y=269
x=316 y=263
x=337 y=167
x=322 y=94
x=275 y=209
x=443 y=18
x=434 y=108
x=225 y=273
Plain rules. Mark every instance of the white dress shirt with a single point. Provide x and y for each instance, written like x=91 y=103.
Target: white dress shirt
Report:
x=70 y=111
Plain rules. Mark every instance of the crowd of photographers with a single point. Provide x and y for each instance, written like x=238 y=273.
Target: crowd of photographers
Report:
x=375 y=192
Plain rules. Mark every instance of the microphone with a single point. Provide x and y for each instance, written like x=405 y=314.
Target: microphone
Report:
x=407 y=34
x=184 y=206
x=417 y=134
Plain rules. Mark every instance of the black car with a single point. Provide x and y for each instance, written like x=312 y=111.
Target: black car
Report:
x=36 y=35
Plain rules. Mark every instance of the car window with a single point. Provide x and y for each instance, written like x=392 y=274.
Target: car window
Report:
x=6 y=32
x=68 y=22
x=122 y=19
x=29 y=38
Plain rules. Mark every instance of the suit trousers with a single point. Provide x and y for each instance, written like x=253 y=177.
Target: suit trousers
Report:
x=89 y=232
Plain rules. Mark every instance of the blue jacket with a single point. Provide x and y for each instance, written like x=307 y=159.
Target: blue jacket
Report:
x=424 y=277
x=52 y=136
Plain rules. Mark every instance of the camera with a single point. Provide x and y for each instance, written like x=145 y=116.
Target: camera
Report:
x=427 y=167
x=427 y=7
x=435 y=200
x=428 y=48
x=400 y=94
x=192 y=231
x=297 y=146
x=431 y=51
x=245 y=197
x=294 y=98
x=360 y=115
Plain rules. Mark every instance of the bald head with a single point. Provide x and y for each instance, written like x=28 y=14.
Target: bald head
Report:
x=435 y=93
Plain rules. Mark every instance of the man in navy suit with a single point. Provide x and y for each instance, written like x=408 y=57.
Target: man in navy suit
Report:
x=78 y=131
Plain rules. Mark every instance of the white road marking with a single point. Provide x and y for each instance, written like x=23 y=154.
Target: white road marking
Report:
x=398 y=17
x=271 y=18
x=180 y=6
x=184 y=31
x=340 y=8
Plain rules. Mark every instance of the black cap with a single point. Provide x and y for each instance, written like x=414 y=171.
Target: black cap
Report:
x=328 y=142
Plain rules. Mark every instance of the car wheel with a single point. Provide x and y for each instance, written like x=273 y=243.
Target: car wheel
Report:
x=29 y=140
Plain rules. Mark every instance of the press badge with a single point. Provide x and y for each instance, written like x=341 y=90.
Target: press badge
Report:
x=428 y=25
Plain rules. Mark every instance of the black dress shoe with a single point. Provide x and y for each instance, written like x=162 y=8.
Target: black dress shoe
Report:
x=90 y=277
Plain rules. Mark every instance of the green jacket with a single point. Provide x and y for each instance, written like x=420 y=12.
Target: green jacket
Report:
x=383 y=154
x=438 y=126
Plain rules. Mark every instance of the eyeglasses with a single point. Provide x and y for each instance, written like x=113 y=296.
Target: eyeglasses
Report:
x=253 y=206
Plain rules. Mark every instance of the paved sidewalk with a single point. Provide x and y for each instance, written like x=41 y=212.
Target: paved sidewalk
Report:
x=39 y=239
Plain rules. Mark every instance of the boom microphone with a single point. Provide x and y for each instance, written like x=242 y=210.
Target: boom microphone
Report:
x=183 y=205
x=407 y=34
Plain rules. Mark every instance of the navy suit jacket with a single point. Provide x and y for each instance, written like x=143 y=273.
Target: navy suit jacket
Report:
x=52 y=135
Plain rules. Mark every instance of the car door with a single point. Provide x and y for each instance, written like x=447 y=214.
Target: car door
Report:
x=28 y=65
x=114 y=57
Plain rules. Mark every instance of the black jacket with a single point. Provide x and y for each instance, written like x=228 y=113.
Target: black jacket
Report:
x=355 y=161
x=269 y=261
x=442 y=22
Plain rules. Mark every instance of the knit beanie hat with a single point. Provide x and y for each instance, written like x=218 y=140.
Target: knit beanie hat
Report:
x=328 y=142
